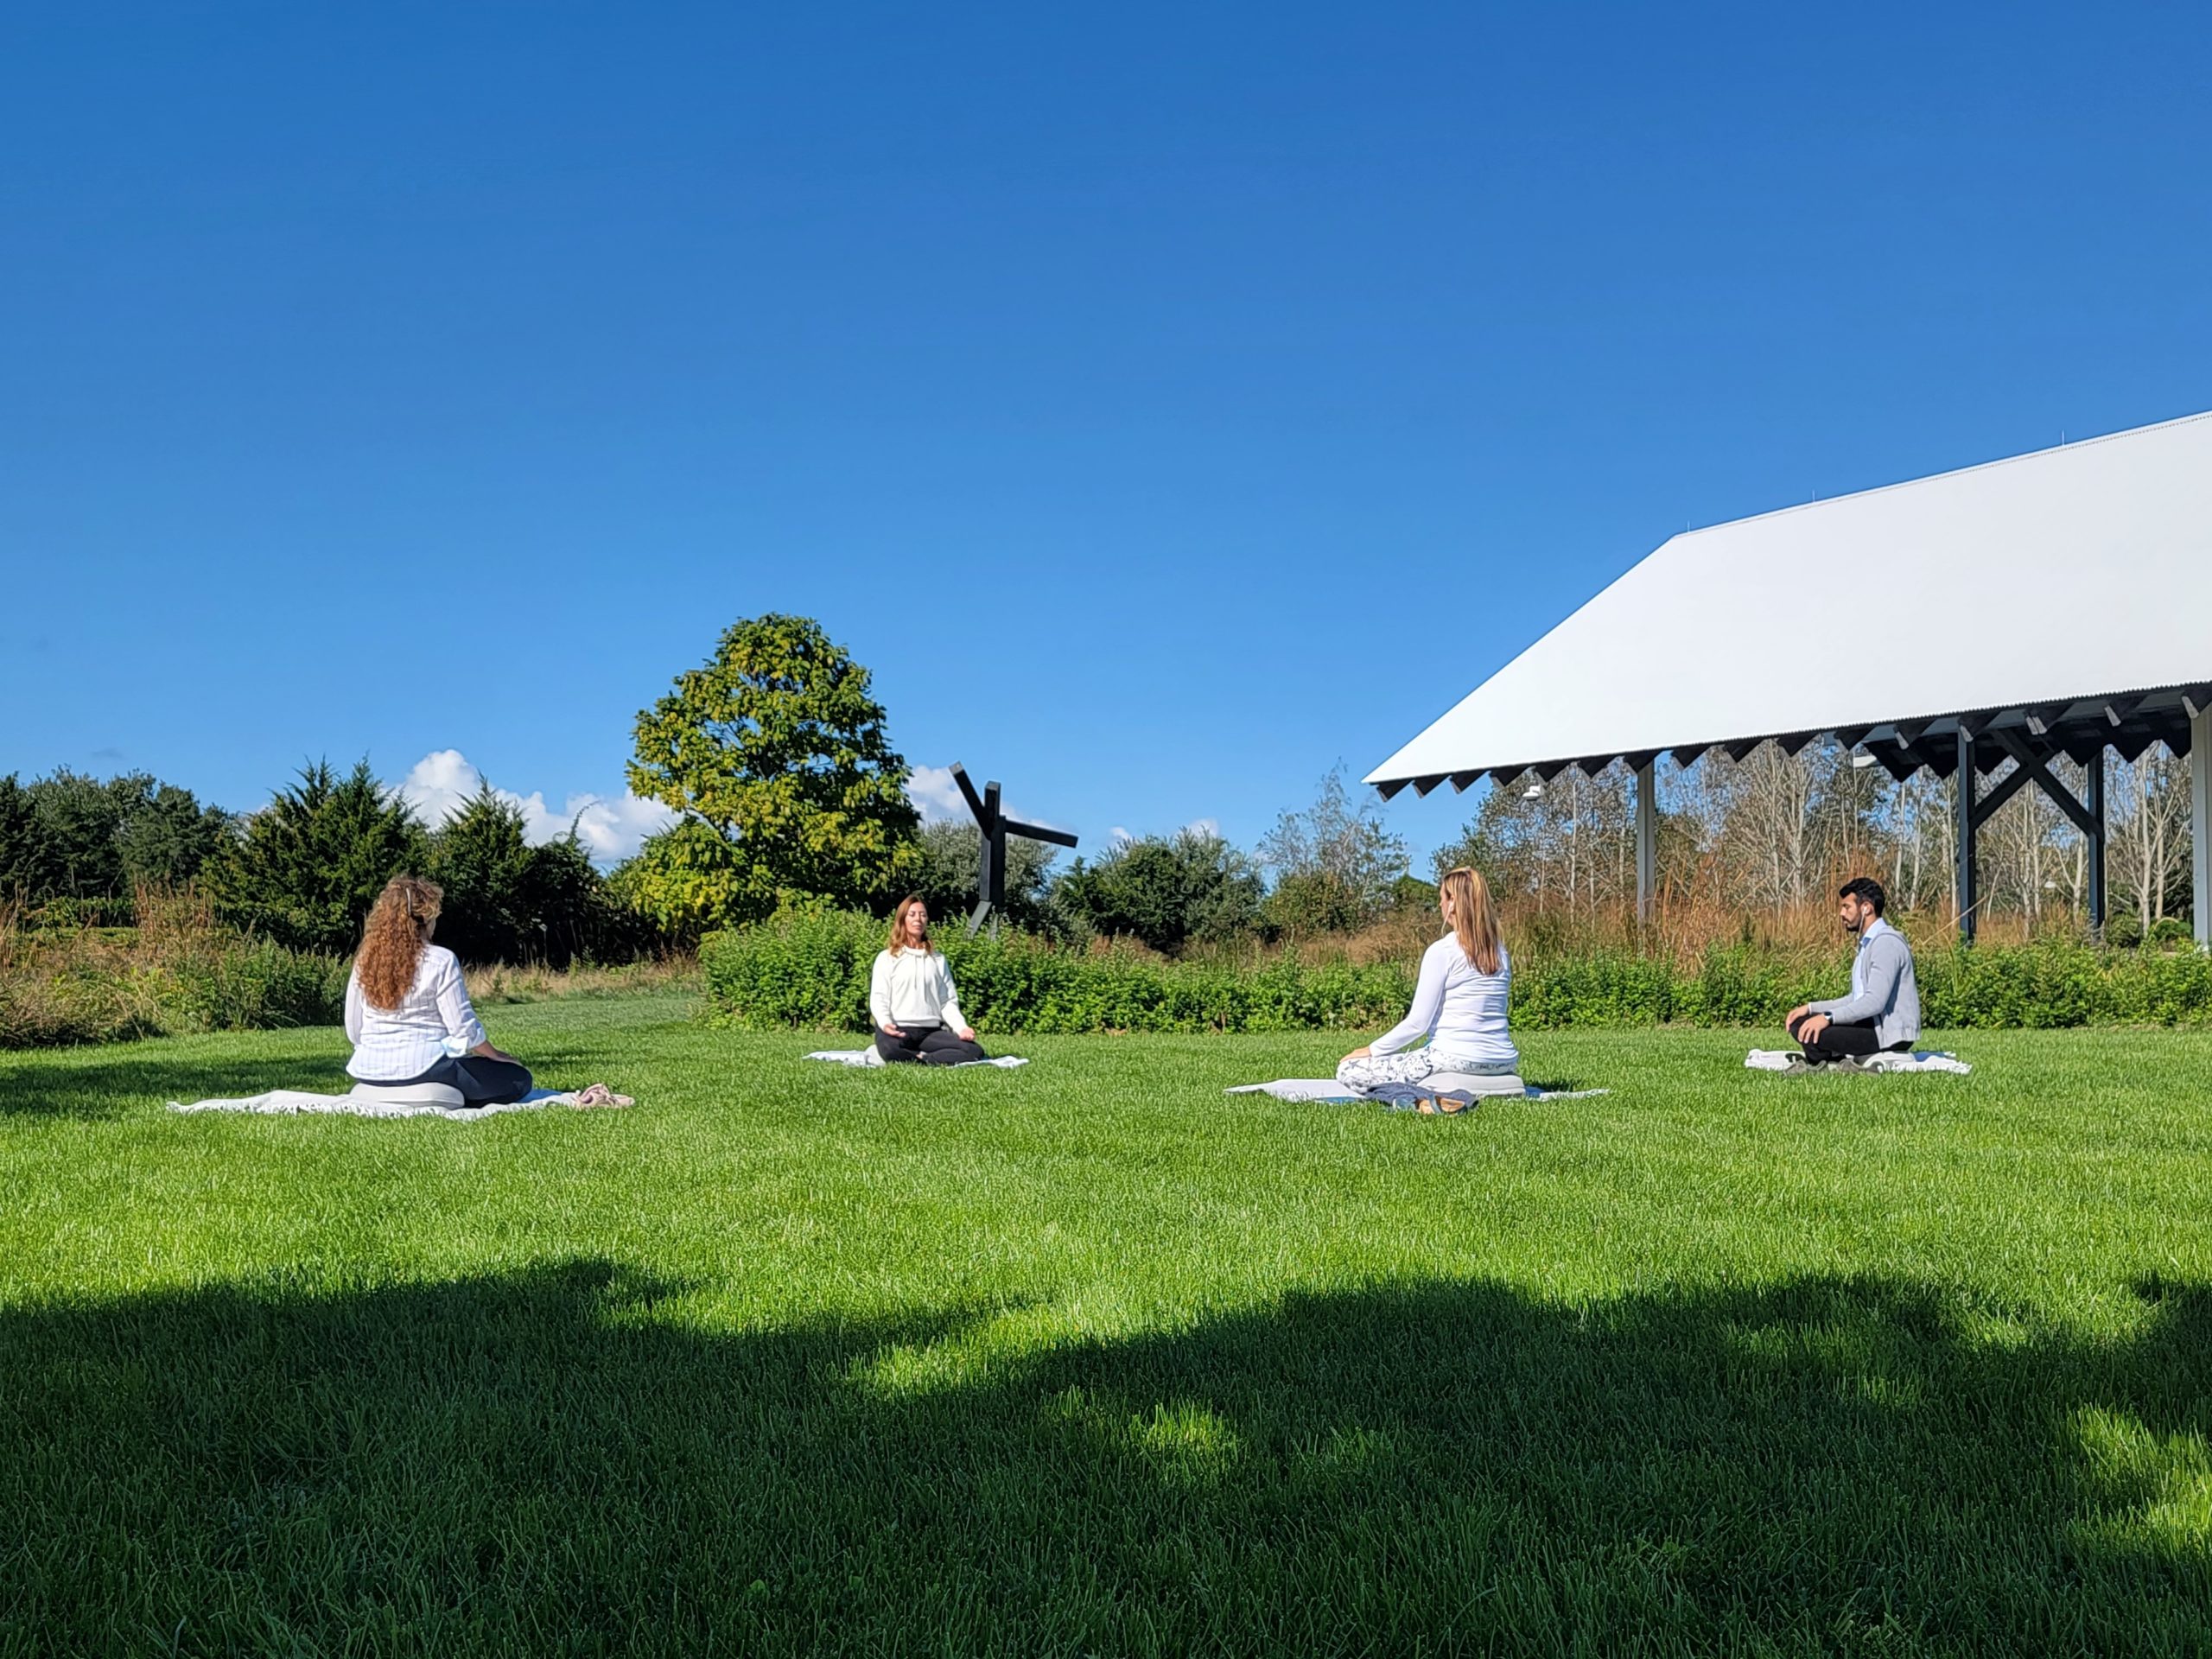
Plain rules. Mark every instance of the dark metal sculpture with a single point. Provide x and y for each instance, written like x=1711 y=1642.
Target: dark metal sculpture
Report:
x=995 y=827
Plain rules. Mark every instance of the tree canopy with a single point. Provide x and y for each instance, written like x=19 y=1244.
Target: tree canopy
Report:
x=777 y=747
x=313 y=861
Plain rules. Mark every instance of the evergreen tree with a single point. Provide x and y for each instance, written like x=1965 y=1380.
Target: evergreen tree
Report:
x=480 y=858
x=310 y=863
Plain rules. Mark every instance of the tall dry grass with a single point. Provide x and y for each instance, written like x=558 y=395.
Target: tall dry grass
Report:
x=176 y=971
x=503 y=984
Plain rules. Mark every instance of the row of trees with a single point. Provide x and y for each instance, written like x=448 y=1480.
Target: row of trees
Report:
x=776 y=757
x=81 y=845
x=304 y=869
x=1775 y=831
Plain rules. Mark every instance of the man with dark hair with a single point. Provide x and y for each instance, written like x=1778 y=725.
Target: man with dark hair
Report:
x=1881 y=1014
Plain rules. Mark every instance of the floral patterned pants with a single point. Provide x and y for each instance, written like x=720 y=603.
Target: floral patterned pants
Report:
x=1413 y=1065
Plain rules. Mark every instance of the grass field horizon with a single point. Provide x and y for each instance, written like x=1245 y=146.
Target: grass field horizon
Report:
x=1085 y=1357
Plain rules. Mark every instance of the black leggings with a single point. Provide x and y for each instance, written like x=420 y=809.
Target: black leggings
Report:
x=482 y=1081
x=1837 y=1042
x=926 y=1046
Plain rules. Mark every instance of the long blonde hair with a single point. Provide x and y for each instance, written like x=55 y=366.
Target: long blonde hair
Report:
x=1474 y=918
x=392 y=943
x=899 y=926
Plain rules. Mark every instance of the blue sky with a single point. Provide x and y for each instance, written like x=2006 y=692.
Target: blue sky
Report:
x=1167 y=403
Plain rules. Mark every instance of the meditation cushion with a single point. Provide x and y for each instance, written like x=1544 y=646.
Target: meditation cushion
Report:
x=408 y=1093
x=1472 y=1083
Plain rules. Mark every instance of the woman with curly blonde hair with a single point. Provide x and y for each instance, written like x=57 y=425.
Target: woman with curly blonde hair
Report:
x=406 y=1011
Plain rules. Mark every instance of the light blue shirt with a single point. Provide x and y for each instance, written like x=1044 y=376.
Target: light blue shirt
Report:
x=1883 y=991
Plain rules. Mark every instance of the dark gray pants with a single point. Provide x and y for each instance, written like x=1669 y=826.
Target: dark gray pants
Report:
x=926 y=1046
x=482 y=1081
x=1837 y=1042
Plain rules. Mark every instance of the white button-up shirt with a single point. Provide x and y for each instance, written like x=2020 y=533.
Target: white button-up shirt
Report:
x=434 y=1020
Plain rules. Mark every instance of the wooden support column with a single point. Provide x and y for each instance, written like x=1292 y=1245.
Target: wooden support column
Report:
x=1647 y=839
x=2094 y=780
x=2200 y=820
x=1969 y=786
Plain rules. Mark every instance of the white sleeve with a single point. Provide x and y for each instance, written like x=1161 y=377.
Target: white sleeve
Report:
x=353 y=1006
x=454 y=1005
x=949 y=1004
x=1428 y=1003
x=879 y=990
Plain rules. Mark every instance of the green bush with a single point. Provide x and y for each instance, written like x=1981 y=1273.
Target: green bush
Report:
x=95 y=986
x=809 y=969
x=254 y=985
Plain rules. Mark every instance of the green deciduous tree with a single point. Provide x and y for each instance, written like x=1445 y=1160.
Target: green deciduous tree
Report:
x=311 y=862
x=685 y=881
x=1334 y=864
x=777 y=746
x=1166 y=891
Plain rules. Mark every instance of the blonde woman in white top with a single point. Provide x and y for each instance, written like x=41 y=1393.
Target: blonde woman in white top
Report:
x=911 y=999
x=1459 y=1004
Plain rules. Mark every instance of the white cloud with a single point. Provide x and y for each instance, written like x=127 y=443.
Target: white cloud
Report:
x=935 y=796
x=1204 y=827
x=938 y=799
x=609 y=826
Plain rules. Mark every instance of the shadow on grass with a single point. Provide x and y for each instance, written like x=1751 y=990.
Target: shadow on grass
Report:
x=554 y=1461
x=93 y=1085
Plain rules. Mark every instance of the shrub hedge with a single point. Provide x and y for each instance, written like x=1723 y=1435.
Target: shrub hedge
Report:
x=809 y=969
x=104 y=987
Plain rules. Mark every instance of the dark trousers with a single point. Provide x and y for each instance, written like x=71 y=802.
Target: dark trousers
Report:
x=482 y=1081
x=1837 y=1042
x=926 y=1046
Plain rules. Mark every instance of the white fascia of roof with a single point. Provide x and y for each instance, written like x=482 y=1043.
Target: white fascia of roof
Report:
x=2062 y=575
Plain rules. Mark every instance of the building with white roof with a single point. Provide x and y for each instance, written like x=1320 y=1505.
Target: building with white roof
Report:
x=2055 y=603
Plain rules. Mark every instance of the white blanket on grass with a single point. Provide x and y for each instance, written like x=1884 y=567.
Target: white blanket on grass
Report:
x=1791 y=1059
x=869 y=1056
x=1330 y=1088
x=284 y=1102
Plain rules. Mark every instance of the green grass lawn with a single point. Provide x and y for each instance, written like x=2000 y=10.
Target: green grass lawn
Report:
x=1085 y=1358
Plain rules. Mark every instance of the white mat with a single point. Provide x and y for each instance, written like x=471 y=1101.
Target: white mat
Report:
x=1791 y=1059
x=869 y=1056
x=1330 y=1088
x=285 y=1102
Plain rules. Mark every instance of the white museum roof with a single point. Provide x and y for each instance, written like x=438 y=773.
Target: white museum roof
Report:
x=2066 y=577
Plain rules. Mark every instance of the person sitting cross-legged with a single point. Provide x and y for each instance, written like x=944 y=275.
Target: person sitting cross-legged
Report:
x=406 y=1011
x=1460 y=1002
x=911 y=999
x=1881 y=1014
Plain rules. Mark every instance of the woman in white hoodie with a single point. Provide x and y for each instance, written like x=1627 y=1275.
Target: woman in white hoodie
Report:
x=911 y=999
